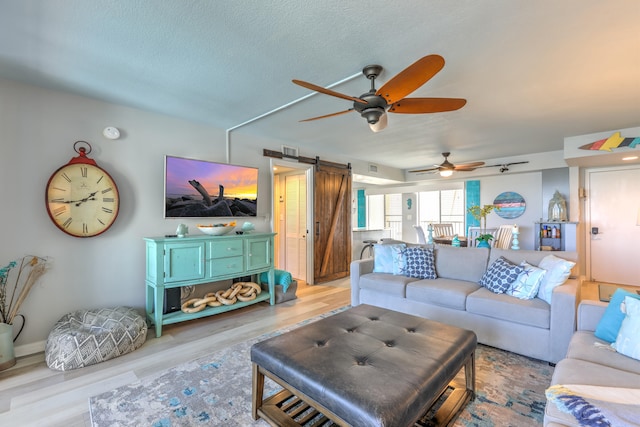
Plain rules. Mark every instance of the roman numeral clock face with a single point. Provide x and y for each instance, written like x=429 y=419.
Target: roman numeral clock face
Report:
x=82 y=200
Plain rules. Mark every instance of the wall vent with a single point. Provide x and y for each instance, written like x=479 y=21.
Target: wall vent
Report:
x=373 y=168
x=289 y=151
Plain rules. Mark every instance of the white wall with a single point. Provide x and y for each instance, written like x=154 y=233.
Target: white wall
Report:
x=529 y=186
x=38 y=129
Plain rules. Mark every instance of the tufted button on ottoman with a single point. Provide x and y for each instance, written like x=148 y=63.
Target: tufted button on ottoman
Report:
x=366 y=366
x=87 y=337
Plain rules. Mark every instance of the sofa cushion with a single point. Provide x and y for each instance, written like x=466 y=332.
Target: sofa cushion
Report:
x=461 y=263
x=628 y=340
x=573 y=371
x=443 y=292
x=532 y=312
x=585 y=346
x=558 y=271
x=387 y=258
x=612 y=318
x=386 y=283
x=500 y=275
x=528 y=282
x=418 y=263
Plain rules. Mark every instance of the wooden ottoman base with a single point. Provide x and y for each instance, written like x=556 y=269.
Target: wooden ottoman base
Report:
x=291 y=408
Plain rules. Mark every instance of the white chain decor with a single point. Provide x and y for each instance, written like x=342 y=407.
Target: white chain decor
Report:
x=243 y=291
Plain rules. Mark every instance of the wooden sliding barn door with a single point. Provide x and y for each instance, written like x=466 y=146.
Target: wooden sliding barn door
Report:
x=332 y=223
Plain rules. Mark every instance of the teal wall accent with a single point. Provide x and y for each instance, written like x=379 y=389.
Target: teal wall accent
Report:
x=362 y=209
x=472 y=189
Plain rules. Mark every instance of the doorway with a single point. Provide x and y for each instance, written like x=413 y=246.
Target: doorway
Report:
x=612 y=228
x=291 y=216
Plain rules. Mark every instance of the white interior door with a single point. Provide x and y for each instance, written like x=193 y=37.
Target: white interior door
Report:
x=613 y=208
x=296 y=225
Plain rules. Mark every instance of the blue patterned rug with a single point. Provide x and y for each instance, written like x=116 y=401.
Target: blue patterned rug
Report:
x=216 y=391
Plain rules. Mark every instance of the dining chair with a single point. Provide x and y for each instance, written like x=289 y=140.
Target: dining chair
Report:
x=443 y=230
x=474 y=232
x=422 y=239
x=502 y=238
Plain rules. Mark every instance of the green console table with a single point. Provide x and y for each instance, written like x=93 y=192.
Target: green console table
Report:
x=173 y=262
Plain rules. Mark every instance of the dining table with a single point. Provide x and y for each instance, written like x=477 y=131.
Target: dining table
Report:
x=447 y=240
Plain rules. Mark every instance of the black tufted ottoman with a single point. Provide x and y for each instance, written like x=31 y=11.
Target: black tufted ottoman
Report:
x=366 y=366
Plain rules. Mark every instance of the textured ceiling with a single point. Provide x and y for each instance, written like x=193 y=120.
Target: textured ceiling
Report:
x=533 y=72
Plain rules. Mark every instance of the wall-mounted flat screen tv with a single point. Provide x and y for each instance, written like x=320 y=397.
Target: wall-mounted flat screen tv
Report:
x=203 y=189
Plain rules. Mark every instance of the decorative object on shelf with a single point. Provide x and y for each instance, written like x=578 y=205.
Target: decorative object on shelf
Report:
x=455 y=241
x=217 y=229
x=430 y=236
x=15 y=285
x=614 y=141
x=182 y=230
x=515 y=244
x=557 y=208
x=248 y=227
x=480 y=214
x=239 y=291
x=82 y=199
x=511 y=205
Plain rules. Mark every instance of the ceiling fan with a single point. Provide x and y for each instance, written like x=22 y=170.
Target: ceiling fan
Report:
x=374 y=104
x=447 y=168
x=504 y=167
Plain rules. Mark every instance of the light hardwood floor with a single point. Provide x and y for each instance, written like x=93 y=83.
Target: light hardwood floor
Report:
x=33 y=395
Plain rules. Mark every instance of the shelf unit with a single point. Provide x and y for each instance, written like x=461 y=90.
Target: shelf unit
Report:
x=176 y=262
x=566 y=241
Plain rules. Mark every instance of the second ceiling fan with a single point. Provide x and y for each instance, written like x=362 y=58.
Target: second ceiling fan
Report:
x=374 y=104
x=447 y=168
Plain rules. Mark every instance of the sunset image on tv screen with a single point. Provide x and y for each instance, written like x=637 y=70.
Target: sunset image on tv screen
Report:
x=198 y=188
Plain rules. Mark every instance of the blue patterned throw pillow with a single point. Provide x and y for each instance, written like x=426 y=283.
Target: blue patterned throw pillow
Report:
x=528 y=282
x=387 y=258
x=500 y=275
x=419 y=263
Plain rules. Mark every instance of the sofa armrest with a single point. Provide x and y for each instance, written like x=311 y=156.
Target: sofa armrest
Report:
x=564 y=301
x=589 y=314
x=358 y=268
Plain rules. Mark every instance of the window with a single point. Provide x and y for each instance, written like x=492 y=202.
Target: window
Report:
x=384 y=211
x=442 y=207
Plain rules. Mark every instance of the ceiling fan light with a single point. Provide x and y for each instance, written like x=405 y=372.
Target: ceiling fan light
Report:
x=446 y=173
x=372 y=114
x=381 y=125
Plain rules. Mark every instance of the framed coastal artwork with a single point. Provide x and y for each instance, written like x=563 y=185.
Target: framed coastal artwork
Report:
x=510 y=205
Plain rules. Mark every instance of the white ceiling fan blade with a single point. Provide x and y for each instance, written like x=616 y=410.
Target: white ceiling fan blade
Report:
x=381 y=124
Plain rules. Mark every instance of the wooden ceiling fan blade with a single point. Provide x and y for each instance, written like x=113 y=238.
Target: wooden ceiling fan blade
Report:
x=504 y=164
x=411 y=78
x=328 y=115
x=327 y=91
x=468 y=167
x=425 y=170
x=427 y=105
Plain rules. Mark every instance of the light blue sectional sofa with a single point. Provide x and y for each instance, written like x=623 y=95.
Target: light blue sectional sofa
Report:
x=590 y=361
x=529 y=327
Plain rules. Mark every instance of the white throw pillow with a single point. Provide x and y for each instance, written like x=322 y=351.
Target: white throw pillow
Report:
x=528 y=282
x=558 y=271
x=628 y=340
x=387 y=258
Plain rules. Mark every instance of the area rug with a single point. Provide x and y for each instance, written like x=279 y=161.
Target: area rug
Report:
x=216 y=391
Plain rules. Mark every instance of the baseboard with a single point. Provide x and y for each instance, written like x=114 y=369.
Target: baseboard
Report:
x=28 y=349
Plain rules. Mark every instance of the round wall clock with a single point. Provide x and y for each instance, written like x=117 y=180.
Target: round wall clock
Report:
x=510 y=204
x=81 y=198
